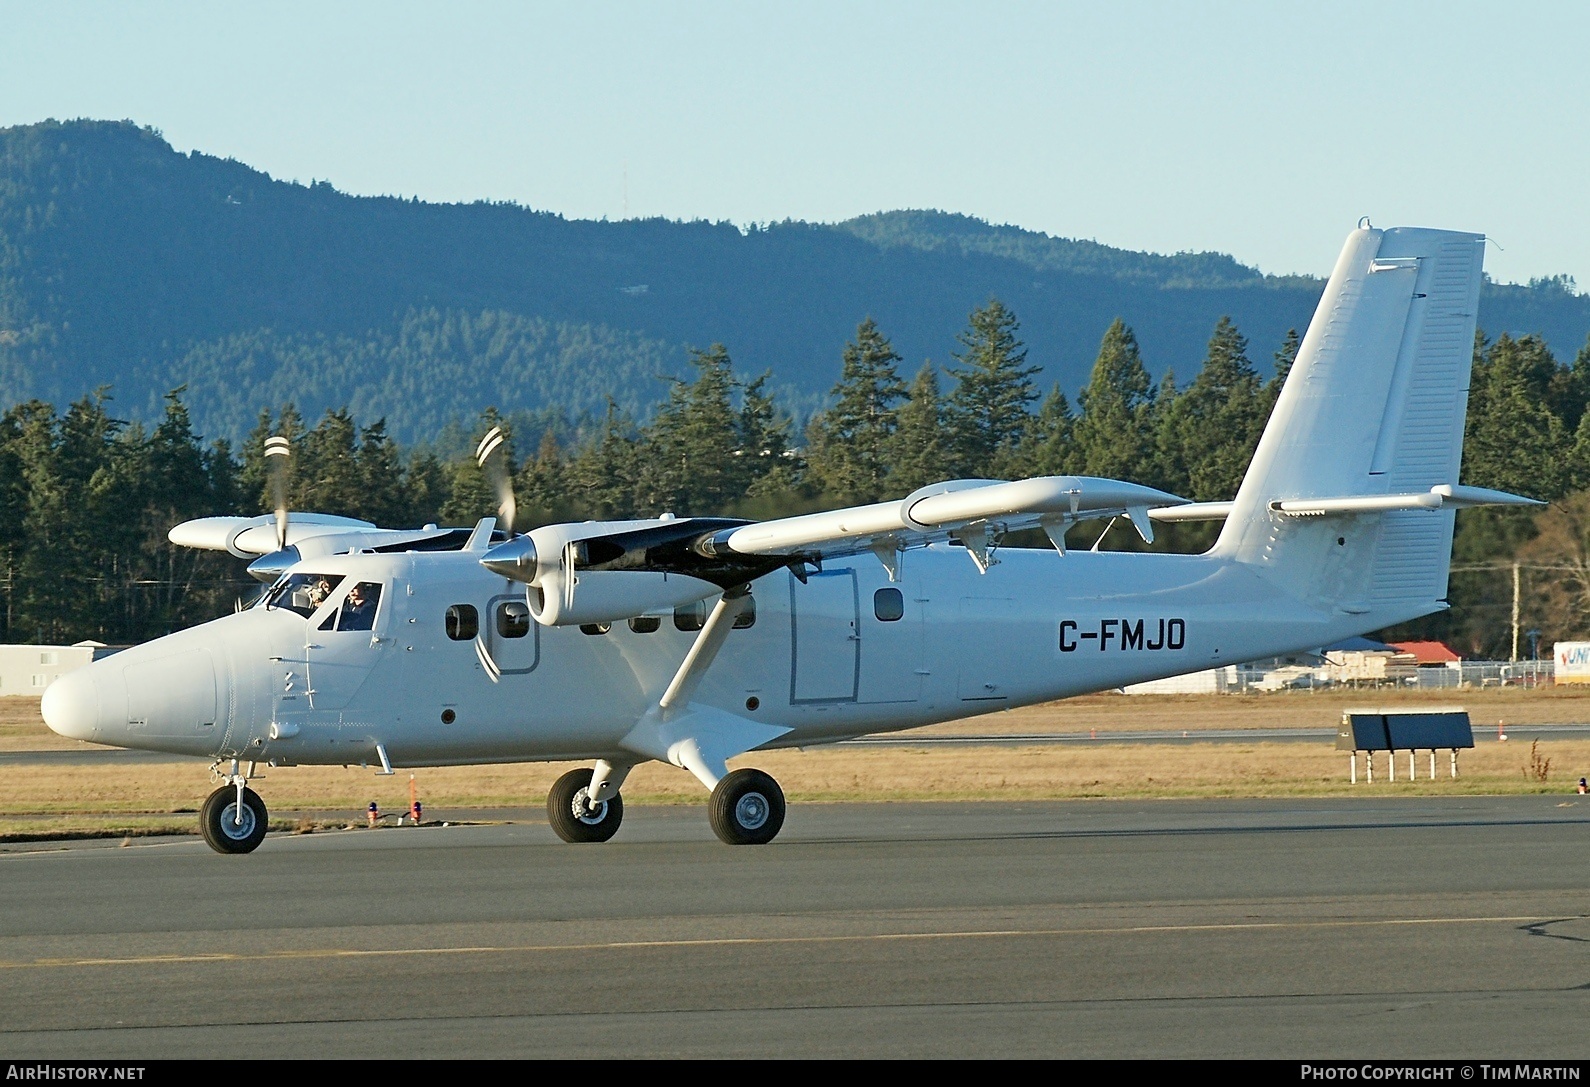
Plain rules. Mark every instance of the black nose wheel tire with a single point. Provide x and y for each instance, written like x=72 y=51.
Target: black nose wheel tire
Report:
x=573 y=818
x=747 y=808
x=228 y=829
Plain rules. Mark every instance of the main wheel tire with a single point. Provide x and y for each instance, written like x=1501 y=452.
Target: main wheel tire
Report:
x=225 y=828
x=747 y=808
x=569 y=815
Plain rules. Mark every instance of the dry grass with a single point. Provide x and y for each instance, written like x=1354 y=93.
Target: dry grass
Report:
x=52 y=800
x=1285 y=709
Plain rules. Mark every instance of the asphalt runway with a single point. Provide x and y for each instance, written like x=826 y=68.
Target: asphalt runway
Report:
x=1446 y=928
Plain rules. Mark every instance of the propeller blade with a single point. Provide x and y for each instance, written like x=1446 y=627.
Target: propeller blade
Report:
x=277 y=457
x=492 y=456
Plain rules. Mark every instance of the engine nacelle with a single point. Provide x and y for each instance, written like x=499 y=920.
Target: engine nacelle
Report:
x=553 y=562
x=607 y=596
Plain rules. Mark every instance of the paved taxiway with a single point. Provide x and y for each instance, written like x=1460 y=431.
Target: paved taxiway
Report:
x=1440 y=927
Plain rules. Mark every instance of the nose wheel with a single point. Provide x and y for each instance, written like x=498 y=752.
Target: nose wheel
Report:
x=747 y=808
x=574 y=817
x=233 y=819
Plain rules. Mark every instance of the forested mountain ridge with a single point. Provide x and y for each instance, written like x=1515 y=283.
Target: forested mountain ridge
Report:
x=128 y=264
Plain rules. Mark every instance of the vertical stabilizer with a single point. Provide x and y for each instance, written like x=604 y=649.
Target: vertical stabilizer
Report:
x=1373 y=406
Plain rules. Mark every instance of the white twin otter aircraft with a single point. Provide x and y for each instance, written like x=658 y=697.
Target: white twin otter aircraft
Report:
x=693 y=640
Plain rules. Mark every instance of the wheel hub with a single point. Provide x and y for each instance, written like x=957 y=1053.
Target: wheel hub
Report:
x=586 y=812
x=751 y=811
x=237 y=822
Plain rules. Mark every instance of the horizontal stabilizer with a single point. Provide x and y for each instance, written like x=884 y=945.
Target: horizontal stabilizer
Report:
x=1192 y=511
x=1446 y=496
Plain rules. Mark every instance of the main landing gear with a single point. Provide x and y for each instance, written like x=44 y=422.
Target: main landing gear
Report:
x=747 y=808
x=233 y=819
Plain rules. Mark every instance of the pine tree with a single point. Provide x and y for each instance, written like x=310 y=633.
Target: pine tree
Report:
x=765 y=466
x=606 y=477
x=543 y=487
x=1513 y=441
x=470 y=494
x=1114 y=434
x=1284 y=359
x=692 y=445
x=848 y=446
x=1051 y=445
x=1214 y=425
x=986 y=412
x=921 y=454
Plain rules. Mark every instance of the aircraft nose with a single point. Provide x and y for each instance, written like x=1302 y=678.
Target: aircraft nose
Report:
x=71 y=705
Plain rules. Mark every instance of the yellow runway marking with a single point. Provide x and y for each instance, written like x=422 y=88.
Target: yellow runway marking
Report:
x=745 y=941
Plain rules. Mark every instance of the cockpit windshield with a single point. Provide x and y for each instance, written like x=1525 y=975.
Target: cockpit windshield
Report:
x=302 y=593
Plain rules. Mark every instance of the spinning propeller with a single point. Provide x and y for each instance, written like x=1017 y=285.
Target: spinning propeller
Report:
x=492 y=456
x=278 y=456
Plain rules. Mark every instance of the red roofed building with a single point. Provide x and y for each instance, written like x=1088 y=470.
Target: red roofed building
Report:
x=1427 y=652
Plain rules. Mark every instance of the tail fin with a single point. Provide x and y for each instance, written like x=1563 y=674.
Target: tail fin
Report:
x=1373 y=407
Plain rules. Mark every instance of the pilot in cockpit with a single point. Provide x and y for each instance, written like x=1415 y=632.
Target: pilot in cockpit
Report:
x=358 y=607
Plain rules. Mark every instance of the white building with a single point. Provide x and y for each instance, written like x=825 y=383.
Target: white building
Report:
x=28 y=669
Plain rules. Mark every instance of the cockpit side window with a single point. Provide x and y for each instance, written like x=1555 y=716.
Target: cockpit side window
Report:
x=359 y=607
x=303 y=593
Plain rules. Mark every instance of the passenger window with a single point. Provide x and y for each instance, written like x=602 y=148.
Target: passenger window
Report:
x=595 y=628
x=747 y=616
x=359 y=607
x=463 y=622
x=691 y=616
x=513 y=619
x=645 y=624
x=888 y=605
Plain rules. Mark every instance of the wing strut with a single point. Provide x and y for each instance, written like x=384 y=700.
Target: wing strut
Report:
x=699 y=738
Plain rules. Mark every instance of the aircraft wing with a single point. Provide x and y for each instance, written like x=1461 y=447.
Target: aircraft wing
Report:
x=559 y=559
x=249 y=536
x=974 y=512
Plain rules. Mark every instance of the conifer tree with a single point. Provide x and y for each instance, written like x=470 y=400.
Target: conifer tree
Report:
x=606 y=477
x=1513 y=441
x=1051 y=447
x=986 y=412
x=765 y=466
x=543 y=487
x=691 y=463
x=848 y=445
x=1215 y=423
x=921 y=454
x=1114 y=432
x=1284 y=358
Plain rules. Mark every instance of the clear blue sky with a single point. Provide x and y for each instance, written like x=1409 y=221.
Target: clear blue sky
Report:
x=1259 y=129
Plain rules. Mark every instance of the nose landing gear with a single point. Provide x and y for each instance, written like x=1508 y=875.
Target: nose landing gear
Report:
x=233 y=819
x=573 y=814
